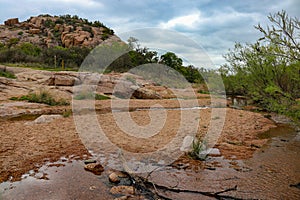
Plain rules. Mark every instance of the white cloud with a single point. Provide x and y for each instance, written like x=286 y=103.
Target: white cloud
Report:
x=188 y=21
x=81 y=3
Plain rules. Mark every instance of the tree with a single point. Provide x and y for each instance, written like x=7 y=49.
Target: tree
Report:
x=268 y=71
x=284 y=33
x=171 y=59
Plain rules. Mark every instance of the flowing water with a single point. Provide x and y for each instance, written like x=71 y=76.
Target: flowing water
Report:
x=271 y=173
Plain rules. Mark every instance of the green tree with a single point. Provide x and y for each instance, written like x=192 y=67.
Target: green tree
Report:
x=30 y=49
x=268 y=71
x=171 y=59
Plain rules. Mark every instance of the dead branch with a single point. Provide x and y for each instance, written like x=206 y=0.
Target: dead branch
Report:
x=147 y=187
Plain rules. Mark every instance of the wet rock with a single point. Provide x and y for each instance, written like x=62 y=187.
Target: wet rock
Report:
x=95 y=168
x=114 y=178
x=89 y=161
x=122 y=189
x=210 y=168
x=122 y=198
x=295 y=185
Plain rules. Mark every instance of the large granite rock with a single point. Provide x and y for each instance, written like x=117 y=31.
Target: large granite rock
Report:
x=11 y=22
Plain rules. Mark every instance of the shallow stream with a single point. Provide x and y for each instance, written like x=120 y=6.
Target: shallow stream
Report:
x=269 y=174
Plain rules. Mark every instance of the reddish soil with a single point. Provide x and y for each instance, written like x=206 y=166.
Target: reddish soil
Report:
x=25 y=147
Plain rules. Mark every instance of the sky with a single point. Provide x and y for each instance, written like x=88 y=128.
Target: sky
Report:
x=193 y=29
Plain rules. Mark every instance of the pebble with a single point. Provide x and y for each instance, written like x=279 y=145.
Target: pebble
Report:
x=122 y=189
x=114 y=178
x=95 y=168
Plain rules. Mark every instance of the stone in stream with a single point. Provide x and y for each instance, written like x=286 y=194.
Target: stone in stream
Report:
x=211 y=152
x=114 y=178
x=89 y=161
x=295 y=185
x=122 y=198
x=95 y=168
x=122 y=189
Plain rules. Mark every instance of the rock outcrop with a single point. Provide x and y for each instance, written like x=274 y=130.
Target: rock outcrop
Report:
x=66 y=31
x=11 y=22
x=64 y=84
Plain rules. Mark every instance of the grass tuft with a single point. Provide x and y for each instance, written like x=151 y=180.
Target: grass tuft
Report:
x=41 y=97
x=7 y=75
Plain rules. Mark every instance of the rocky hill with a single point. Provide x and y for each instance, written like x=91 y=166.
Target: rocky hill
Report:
x=49 y=31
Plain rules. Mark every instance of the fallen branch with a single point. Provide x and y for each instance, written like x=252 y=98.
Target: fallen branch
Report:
x=143 y=185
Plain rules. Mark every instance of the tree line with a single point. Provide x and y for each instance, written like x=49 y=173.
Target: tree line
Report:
x=52 y=57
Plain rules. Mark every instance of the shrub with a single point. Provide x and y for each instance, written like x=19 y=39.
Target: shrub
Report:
x=101 y=97
x=203 y=92
x=41 y=97
x=7 y=74
x=104 y=36
x=12 y=42
x=49 y=23
x=30 y=49
x=67 y=113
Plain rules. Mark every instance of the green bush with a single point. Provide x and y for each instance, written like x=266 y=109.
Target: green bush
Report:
x=104 y=36
x=203 y=92
x=41 y=97
x=30 y=49
x=7 y=74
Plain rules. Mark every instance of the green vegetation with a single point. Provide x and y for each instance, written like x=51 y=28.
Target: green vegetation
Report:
x=197 y=148
x=41 y=97
x=46 y=58
x=67 y=113
x=13 y=51
x=90 y=95
x=7 y=74
x=84 y=23
x=268 y=71
x=203 y=91
x=142 y=55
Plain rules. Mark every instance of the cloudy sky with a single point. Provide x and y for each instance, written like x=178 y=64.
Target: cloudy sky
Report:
x=213 y=25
